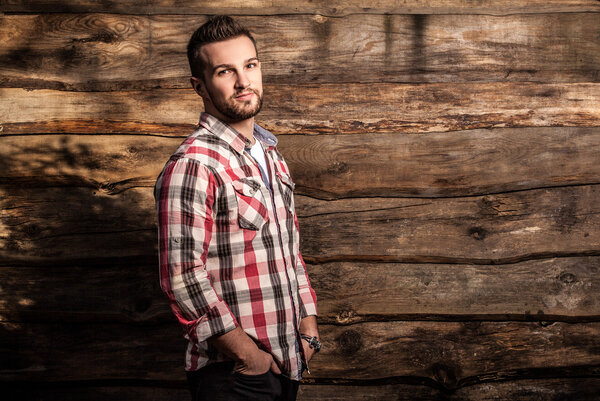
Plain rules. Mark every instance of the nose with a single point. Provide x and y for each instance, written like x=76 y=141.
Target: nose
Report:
x=242 y=80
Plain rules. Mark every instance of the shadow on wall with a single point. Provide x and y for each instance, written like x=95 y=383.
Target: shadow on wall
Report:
x=79 y=289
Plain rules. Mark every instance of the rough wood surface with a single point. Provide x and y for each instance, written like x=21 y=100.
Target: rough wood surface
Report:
x=518 y=390
x=458 y=163
x=550 y=289
x=311 y=109
x=112 y=52
x=502 y=228
x=454 y=354
x=584 y=389
x=442 y=164
x=326 y=7
x=82 y=224
x=561 y=289
x=447 y=354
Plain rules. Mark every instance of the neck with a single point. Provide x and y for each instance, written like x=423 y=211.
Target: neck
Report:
x=245 y=127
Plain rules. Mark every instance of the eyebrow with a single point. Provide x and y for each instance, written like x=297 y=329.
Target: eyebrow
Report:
x=231 y=65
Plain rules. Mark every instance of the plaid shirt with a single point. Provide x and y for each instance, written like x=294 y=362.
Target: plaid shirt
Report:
x=229 y=245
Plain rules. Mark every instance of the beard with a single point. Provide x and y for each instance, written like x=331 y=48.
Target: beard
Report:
x=235 y=110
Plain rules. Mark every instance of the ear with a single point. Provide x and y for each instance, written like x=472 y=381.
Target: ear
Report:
x=199 y=87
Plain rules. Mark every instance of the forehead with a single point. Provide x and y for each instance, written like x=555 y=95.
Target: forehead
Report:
x=231 y=51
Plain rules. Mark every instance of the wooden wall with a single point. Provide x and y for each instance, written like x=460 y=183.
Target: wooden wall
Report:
x=446 y=155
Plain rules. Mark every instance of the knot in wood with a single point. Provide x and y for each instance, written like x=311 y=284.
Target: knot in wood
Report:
x=567 y=278
x=479 y=233
x=350 y=341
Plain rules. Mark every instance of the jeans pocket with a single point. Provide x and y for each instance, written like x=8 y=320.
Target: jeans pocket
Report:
x=265 y=386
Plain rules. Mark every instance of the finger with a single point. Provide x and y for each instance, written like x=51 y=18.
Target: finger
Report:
x=275 y=369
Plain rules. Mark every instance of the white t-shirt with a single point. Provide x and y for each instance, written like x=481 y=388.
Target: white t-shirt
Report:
x=258 y=153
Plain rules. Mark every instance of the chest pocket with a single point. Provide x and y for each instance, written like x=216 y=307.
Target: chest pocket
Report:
x=287 y=190
x=252 y=212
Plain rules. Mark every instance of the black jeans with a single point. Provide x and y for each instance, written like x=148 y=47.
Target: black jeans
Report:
x=218 y=382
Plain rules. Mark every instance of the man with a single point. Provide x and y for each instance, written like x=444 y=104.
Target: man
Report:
x=228 y=235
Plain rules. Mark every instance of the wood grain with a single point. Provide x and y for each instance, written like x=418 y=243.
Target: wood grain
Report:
x=448 y=354
x=559 y=289
x=550 y=289
x=583 y=389
x=453 y=354
x=83 y=224
x=521 y=390
x=491 y=229
x=460 y=163
x=312 y=109
x=470 y=162
x=92 y=52
x=277 y=7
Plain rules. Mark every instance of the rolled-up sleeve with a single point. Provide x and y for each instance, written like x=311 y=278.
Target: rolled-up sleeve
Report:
x=308 y=297
x=184 y=195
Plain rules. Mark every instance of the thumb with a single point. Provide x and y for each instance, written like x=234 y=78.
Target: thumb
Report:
x=274 y=368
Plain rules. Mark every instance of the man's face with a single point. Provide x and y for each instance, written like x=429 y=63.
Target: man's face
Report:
x=232 y=87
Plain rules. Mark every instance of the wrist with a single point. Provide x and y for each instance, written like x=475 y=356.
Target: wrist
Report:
x=313 y=342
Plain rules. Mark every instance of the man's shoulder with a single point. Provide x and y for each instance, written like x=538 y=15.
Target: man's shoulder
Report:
x=205 y=148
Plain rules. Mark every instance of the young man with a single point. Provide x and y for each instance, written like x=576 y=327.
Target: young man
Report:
x=228 y=235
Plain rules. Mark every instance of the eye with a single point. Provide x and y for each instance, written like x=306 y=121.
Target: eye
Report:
x=223 y=72
x=252 y=65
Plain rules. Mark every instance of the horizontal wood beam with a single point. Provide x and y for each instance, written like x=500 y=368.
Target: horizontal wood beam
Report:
x=103 y=52
x=426 y=351
x=541 y=290
x=312 y=109
x=460 y=163
x=561 y=289
x=491 y=229
x=581 y=389
x=333 y=8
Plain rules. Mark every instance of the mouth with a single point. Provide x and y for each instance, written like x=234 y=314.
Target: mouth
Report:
x=244 y=96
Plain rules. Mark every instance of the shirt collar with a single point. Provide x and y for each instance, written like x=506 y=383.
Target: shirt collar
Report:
x=230 y=135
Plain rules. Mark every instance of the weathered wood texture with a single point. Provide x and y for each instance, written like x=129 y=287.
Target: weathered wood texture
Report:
x=502 y=228
x=586 y=389
x=473 y=162
x=111 y=52
x=311 y=109
x=448 y=354
x=564 y=289
x=446 y=161
x=327 y=7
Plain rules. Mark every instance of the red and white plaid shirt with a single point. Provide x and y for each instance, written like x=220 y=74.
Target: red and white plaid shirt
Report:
x=229 y=245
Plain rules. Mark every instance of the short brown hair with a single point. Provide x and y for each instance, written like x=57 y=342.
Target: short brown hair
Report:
x=216 y=29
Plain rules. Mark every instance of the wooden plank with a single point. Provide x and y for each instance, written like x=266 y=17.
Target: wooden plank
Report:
x=551 y=289
x=100 y=392
x=472 y=162
x=448 y=354
x=108 y=163
x=332 y=7
x=584 y=389
x=94 y=52
x=563 y=289
x=82 y=224
x=491 y=229
x=312 y=109
x=77 y=223
x=455 y=353
x=120 y=292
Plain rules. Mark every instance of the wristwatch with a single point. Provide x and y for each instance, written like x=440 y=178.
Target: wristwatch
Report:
x=313 y=342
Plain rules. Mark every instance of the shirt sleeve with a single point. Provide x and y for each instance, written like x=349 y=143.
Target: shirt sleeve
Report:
x=185 y=194
x=308 y=297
